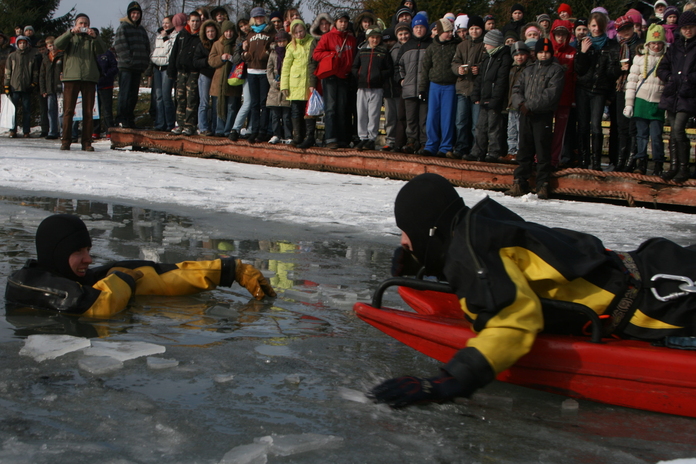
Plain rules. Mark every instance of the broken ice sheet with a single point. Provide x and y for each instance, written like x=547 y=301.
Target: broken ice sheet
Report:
x=223 y=378
x=161 y=363
x=99 y=365
x=123 y=351
x=43 y=347
x=353 y=395
x=286 y=445
x=254 y=453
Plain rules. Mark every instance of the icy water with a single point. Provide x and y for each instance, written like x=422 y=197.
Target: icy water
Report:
x=246 y=369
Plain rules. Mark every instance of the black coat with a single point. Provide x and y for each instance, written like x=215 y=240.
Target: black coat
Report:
x=598 y=70
x=491 y=86
x=678 y=71
x=181 y=59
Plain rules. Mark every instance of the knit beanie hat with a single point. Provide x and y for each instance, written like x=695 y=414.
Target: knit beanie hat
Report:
x=388 y=34
x=257 y=12
x=373 y=31
x=565 y=7
x=282 y=35
x=274 y=15
x=134 y=6
x=669 y=11
x=419 y=20
x=580 y=22
x=402 y=26
x=462 y=22
x=404 y=10
x=226 y=26
x=687 y=18
x=58 y=237
x=543 y=17
x=511 y=34
x=494 y=37
x=623 y=22
x=543 y=45
x=444 y=25
x=30 y=28
x=519 y=47
x=475 y=20
x=656 y=33
x=424 y=209
x=449 y=17
x=517 y=7
x=342 y=15
x=179 y=21
x=22 y=37
x=660 y=2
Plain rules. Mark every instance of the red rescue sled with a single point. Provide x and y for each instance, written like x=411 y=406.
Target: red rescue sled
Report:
x=627 y=373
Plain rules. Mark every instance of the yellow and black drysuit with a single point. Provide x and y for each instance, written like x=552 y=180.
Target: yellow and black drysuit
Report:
x=101 y=295
x=501 y=265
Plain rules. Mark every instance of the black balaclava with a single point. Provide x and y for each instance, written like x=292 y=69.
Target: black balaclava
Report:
x=58 y=237
x=425 y=208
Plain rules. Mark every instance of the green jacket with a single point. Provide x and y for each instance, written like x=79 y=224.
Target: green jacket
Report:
x=22 y=70
x=81 y=52
x=298 y=68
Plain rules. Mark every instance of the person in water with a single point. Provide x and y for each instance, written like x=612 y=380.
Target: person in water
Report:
x=500 y=265
x=61 y=280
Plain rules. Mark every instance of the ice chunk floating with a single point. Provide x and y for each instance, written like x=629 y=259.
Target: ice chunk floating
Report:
x=43 y=347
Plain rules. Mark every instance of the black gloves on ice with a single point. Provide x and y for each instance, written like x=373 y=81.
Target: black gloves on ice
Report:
x=408 y=390
x=404 y=263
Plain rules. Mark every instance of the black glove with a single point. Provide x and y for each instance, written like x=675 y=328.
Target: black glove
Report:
x=422 y=97
x=405 y=391
x=404 y=263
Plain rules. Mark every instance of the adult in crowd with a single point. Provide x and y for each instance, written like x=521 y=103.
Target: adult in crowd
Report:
x=21 y=78
x=132 y=47
x=81 y=46
x=226 y=98
x=50 y=85
x=161 y=84
x=181 y=70
x=208 y=35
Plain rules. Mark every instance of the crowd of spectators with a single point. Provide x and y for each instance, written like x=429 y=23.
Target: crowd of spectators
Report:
x=533 y=89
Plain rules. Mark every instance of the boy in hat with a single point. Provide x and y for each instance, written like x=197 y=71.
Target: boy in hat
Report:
x=60 y=280
x=536 y=95
x=372 y=68
x=490 y=91
x=516 y=20
x=564 y=12
x=520 y=59
x=21 y=78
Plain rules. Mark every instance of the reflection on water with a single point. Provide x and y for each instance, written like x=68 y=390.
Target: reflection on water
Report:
x=309 y=276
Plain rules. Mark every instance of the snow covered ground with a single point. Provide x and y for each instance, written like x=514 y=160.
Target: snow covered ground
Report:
x=233 y=380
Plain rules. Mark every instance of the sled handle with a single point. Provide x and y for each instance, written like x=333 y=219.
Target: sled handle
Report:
x=418 y=284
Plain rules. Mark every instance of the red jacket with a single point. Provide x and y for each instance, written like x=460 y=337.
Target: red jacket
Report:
x=565 y=54
x=330 y=44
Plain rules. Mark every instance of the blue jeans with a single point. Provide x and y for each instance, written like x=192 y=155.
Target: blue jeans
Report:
x=653 y=129
x=513 y=131
x=224 y=126
x=53 y=122
x=336 y=111
x=244 y=110
x=204 y=121
x=25 y=99
x=465 y=124
x=258 y=113
x=440 y=121
x=166 y=113
x=128 y=86
x=590 y=107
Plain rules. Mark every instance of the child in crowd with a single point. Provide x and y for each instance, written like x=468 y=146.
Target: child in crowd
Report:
x=516 y=19
x=670 y=24
x=393 y=127
x=276 y=100
x=520 y=57
x=51 y=86
x=21 y=78
x=372 y=67
x=643 y=93
x=565 y=12
x=565 y=54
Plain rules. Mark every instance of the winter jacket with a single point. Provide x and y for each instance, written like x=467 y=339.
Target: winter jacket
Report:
x=108 y=67
x=565 y=54
x=491 y=85
x=106 y=295
x=598 y=69
x=515 y=74
x=183 y=50
x=540 y=87
x=409 y=65
x=215 y=60
x=298 y=68
x=678 y=71
x=437 y=65
x=275 y=96
x=515 y=26
x=21 y=70
x=200 y=55
x=163 y=48
x=330 y=44
x=314 y=29
x=633 y=44
x=469 y=52
x=49 y=76
x=259 y=49
x=524 y=262
x=391 y=87
x=372 y=67
x=646 y=101
x=81 y=52
x=132 y=46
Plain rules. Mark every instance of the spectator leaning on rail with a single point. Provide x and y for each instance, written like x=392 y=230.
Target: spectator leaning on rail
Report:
x=81 y=46
x=132 y=47
x=60 y=278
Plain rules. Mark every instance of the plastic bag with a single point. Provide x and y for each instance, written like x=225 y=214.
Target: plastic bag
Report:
x=237 y=75
x=7 y=112
x=315 y=104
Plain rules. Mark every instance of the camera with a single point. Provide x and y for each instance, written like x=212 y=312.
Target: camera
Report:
x=84 y=30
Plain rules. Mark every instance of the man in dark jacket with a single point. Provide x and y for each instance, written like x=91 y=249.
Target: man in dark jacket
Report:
x=490 y=92
x=338 y=48
x=132 y=47
x=500 y=266
x=182 y=70
x=536 y=94
x=60 y=279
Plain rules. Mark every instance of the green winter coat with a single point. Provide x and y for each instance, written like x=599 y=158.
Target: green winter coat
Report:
x=22 y=70
x=298 y=68
x=80 y=56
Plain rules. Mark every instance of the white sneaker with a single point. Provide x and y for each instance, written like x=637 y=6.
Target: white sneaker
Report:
x=287 y=141
x=274 y=140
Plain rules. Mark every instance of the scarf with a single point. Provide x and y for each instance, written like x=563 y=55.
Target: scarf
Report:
x=493 y=51
x=625 y=54
x=227 y=47
x=258 y=27
x=599 y=42
x=669 y=31
x=280 y=52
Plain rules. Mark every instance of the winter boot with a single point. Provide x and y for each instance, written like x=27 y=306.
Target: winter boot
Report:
x=683 y=174
x=596 y=158
x=641 y=166
x=657 y=169
x=310 y=139
x=673 y=161
x=518 y=189
x=542 y=191
x=630 y=165
x=622 y=159
x=297 y=129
